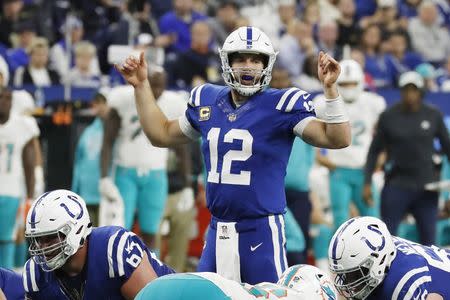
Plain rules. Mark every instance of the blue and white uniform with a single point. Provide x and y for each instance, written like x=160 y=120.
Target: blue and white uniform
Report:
x=415 y=272
x=113 y=255
x=11 y=284
x=246 y=150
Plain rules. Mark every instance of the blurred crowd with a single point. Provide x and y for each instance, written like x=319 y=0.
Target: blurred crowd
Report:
x=46 y=42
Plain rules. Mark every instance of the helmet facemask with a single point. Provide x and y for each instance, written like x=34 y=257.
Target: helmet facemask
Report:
x=233 y=76
x=355 y=283
x=53 y=256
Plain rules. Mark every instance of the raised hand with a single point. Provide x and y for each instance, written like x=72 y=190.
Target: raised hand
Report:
x=328 y=69
x=135 y=71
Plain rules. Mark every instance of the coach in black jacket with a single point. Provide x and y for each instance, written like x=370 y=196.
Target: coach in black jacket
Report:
x=406 y=131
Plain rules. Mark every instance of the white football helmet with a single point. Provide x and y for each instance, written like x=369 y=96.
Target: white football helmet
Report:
x=247 y=40
x=57 y=226
x=360 y=254
x=308 y=281
x=351 y=72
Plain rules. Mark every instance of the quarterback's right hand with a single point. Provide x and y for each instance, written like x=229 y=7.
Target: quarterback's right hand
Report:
x=109 y=190
x=134 y=70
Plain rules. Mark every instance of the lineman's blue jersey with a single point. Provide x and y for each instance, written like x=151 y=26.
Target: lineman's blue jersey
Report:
x=11 y=284
x=416 y=271
x=113 y=254
x=246 y=150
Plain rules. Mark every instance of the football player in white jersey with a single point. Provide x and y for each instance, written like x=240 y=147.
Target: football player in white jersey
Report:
x=17 y=163
x=299 y=282
x=346 y=165
x=139 y=174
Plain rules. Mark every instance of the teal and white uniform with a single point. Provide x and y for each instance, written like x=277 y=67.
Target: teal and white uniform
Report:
x=139 y=167
x=347 y=180
x=86 y=170
x=211 y=286
x=14 y=135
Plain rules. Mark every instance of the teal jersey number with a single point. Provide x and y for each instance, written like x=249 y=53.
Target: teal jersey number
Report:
x=359 y=128
x=6 y=165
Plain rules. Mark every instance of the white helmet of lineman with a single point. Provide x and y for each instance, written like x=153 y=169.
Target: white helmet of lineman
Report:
x=57 y=226
x=247 y=40
x=351 y=74
x=360 y=254
x=308 y=281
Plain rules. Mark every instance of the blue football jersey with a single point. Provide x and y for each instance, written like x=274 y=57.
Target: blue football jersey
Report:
x=246 y=149
x=11 y=284
x=113 y=254
x=416 y=271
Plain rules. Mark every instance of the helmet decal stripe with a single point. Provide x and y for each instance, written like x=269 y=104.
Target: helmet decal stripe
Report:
x=33 y=213
x=336 y=239
x=249 y=37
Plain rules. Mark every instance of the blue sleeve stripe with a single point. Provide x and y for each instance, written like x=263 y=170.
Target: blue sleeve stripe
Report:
x=418 y=286
x=284 y=97
x=404 y=280
x=295 y=98
x=110 y=253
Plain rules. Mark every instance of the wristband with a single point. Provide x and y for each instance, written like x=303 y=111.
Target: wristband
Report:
x=335 y=111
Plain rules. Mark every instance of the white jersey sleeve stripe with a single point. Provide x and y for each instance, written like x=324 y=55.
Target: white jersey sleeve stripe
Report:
x=284 y=97
x=294 y=100
x=276 y=245
x=120 y=248
x=417 y=285
x=404 y=279
x=197 y=95
x=110 y=251
x=25 y=277
x=300 y=127
x=191 y=98
x=34 y=286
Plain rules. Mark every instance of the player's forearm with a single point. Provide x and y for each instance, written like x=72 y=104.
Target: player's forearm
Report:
x=338 y=135
x=153 y=121
x=28 y=161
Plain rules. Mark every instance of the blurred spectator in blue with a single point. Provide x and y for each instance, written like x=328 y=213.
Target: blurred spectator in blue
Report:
x=178 y=22
x=358 y=55
x=36 y=72
x=199 y=64
x=86 y=170
x=428 y=72
x=427 y=37
x=11 y=12
x=59 y=52
x=327 y=37
x=379 y=65
x=159 y=8
x=404 y=59
x=25 y=32
x=443 y=79
x=349 y=31
x=82 y=75
x=365 y=8
x=224 y=21
x=408 y=8
x=295 y=46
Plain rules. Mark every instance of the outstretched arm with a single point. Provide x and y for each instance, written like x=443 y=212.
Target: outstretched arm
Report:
x=160 y=131
x=334 y=132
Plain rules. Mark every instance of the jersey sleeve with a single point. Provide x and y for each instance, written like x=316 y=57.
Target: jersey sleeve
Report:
x=31 y=129
x=189 y=122
x=297 y=109
x=414 y=284
x=31 y=279
x=125 y=253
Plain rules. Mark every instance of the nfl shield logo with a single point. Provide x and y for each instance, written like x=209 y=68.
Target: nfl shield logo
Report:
x=232 y=117
x=224 y=230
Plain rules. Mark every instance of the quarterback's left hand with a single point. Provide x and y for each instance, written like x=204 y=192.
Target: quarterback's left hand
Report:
x=328 y=69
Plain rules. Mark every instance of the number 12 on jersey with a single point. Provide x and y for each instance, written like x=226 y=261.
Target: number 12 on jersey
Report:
x=225 y=176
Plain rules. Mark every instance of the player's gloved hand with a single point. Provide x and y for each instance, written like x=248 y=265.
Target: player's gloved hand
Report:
x=367 y=194
x=109 y=190
x=186 y=200
x=39 y=182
